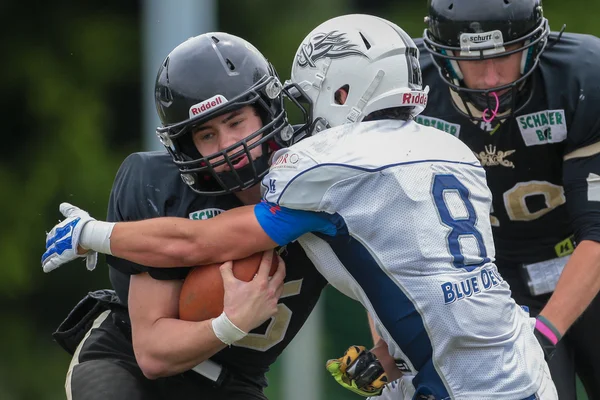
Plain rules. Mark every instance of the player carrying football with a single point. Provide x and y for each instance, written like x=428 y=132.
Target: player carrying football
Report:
x=222 y=104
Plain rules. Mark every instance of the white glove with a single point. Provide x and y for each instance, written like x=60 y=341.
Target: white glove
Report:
x=63 y=239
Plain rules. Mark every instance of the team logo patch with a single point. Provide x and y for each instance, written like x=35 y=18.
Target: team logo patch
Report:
x=286 y=161
x=273 y=189
x=453 y=129
x=206 y=213
x=333 y=44
x=543 y=127
x=491 y=158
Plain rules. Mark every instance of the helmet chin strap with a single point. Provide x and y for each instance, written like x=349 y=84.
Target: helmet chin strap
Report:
x=246 y=174
x=356 y=111
x=482 y=101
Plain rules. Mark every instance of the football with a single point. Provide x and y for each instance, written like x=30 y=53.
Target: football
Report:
x=202 y=293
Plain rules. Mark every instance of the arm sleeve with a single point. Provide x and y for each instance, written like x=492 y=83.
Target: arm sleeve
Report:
x=284 y=225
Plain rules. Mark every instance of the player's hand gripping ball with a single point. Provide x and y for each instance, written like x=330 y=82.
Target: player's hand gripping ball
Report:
x=202 y=293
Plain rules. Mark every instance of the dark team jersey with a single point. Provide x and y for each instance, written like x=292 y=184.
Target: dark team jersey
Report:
x=539 y=200
x=148 y=185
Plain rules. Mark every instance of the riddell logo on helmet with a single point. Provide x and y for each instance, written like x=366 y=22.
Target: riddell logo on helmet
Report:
x=201 y=108
x=414 y=98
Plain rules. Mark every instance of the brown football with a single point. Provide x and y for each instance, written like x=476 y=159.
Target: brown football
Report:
x=202 y=293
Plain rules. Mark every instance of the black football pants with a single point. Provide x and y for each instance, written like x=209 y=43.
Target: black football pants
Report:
x=104 y=367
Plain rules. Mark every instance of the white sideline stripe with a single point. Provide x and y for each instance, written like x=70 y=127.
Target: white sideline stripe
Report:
x=75 y=360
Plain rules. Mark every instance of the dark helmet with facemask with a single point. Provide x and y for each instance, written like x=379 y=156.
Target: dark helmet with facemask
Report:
x=205 y=77
x=465 y=30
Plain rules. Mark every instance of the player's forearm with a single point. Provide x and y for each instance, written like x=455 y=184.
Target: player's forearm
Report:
x=160 y=242
x=173 y=346
x=374 y=333
x=579 y=283
x=381 y=351
x=180 y=242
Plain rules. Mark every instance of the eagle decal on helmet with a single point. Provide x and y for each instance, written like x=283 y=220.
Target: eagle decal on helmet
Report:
x=333 y=45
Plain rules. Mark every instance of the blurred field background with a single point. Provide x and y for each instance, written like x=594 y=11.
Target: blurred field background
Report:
x=72 y=110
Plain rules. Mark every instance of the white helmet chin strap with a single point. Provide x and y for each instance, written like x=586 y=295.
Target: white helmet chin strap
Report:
x=356 y=111
x=320 y=75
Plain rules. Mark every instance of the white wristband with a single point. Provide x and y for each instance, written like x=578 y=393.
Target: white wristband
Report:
x=226 y=331
x=95 y=236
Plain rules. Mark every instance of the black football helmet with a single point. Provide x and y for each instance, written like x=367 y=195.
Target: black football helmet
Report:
x=207 y=76
x=467 y=30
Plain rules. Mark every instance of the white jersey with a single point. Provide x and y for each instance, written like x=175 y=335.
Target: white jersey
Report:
x=414 y=246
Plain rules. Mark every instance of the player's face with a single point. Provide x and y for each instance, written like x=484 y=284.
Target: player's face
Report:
x=487 y=74
x=226 y=130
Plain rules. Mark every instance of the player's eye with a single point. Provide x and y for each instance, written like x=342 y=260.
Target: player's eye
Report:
x=236 y=122
x=208 y=136
x=204 y=136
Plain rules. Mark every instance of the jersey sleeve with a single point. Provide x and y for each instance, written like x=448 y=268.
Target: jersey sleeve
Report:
x=581 y=168
x=299 y=182
x=581 y=180
x=281 y=184
x=293 y=193
x=583 y=136
x=284 y=225
x=129 y=201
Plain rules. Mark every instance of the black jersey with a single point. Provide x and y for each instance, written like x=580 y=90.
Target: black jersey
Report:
x=540 y=165
x=148 y=185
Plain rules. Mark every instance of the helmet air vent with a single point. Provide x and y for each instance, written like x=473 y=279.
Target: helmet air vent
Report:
x=366 y=42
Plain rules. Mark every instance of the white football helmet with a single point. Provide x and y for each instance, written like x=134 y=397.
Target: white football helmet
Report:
x=372 y=58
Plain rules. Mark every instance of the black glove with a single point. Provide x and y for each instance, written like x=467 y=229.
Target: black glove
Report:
x=547 y=335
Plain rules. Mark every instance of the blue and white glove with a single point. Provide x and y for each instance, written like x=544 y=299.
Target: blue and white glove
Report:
x=63 y=239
